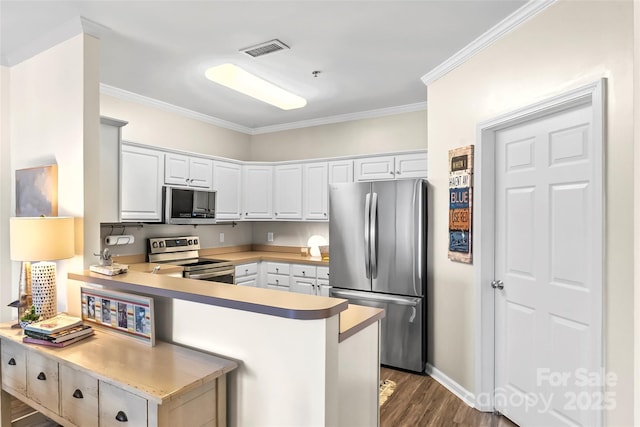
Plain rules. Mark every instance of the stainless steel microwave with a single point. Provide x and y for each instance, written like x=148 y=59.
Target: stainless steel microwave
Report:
x=188 y=206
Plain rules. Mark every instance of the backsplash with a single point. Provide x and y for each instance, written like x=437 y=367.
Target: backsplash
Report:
x=243 y=233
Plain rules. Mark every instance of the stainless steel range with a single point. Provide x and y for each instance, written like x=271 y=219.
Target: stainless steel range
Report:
x=184 y=251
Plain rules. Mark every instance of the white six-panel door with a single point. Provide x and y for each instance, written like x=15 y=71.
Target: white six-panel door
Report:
x=548 y=314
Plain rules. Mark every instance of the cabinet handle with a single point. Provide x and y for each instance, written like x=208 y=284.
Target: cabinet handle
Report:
x=276 y=213
x=78 y=394
x=303 y=273
x=277 y=270
x=277 y=281
x=122 y=417
x=398 y=173
x=12 y=362
x=42 y=376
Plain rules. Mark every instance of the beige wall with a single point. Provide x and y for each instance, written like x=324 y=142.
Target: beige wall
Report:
x=152 y=126
x=636 y=239
x=47 y=112
x=399 y=132
x=568 y=45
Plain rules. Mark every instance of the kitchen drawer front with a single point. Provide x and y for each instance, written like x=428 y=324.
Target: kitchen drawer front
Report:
x=14 y=367
x=116 y=402
x=277 y=280
x=277 y=268
x=78 y=397
x=323 y=273
x=246 y=269
x=247 y=281
x=300 y=270
x=42 y=381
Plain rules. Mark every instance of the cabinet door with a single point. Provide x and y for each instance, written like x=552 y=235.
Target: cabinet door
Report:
x=176 y=169
x=316 y=191
x=117 y=404
x=303 y=286
x=200 y=173
x=374 y=168
x=42 y=381
x=258 y=194
x=288 y=192
x=142 y=177
x=411 y=166
x=78 y=397
x=14 y=367
x=340 y=171
x=227 y=182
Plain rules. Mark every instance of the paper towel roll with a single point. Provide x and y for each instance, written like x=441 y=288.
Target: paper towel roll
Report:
x=122 y=239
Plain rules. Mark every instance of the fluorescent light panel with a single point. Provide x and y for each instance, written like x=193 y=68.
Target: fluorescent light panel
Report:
x=242 y=81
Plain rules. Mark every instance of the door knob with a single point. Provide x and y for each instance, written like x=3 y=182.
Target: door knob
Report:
x=497 y=284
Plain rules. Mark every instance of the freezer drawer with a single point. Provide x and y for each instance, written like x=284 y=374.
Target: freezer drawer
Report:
x=402 y=338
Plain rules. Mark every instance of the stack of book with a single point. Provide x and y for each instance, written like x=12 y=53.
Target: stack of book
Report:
x=58 y=331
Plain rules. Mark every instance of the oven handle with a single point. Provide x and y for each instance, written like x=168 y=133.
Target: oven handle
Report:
x=210 y=275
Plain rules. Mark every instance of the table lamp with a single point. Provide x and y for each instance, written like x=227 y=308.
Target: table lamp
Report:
x=314 y=244
x=40 y=239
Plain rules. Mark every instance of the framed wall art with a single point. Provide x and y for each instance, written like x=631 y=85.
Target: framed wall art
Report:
x=37 y=191
x=127 y=314
x=461 y=204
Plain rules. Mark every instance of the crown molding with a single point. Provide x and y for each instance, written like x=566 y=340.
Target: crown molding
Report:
x=511 y=22
x=165 y=106
x=409 y=108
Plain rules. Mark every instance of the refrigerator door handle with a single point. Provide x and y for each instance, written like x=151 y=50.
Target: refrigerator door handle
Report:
x=368 y=296
x=374 y=235
x=367 y=244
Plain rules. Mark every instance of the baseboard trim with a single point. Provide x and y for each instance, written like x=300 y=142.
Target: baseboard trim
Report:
x=465 y=395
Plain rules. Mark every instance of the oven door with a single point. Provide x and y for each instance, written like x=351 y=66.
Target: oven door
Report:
x=224 y=275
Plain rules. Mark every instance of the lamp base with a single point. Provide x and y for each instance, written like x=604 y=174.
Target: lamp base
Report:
x=43 y=288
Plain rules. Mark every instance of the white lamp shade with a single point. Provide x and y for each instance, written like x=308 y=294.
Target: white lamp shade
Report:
x=41 y=238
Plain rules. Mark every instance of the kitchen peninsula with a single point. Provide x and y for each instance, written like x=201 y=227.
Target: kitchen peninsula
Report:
x=303 y=360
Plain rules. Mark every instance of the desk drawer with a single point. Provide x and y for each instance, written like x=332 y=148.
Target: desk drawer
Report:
x=14 y=367
x=42 y=381
x=78 y=397
x=116 y=402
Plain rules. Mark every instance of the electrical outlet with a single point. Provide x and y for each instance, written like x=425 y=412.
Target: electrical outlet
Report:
x=269 y=236
x=221 y=237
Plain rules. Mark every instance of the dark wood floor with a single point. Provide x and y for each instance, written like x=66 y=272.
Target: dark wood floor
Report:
x=421 y=401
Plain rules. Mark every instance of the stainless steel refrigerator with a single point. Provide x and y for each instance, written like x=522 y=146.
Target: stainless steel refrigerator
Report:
x=377 y=246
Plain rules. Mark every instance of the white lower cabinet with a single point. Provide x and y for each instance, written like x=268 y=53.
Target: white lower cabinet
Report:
x=278 y=276
x=247 y=274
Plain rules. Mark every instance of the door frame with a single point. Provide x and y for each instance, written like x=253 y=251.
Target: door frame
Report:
x=483 y=220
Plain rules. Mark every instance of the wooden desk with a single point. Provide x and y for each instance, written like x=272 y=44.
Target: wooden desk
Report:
x=105 y=379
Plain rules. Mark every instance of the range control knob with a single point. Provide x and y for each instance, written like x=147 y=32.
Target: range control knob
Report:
x=162 y=244
x=195 y=241
x=189 y=242
x=154 y=244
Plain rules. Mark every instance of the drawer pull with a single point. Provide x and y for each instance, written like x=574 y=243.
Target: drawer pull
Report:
x=78 y=394
x=12 y=362
x=42 y=376
x=122 y=417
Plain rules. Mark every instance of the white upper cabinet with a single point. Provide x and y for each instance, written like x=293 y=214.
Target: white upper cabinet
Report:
x=257 y=201
x=142 y=173
x=188 y=171
x=227 y=182
x=391 y=167
x=316 y=191
x=411 y=165
x=287 y=189
x=340 y=171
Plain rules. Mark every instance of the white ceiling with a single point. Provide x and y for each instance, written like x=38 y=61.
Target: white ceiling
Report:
x=371 y=54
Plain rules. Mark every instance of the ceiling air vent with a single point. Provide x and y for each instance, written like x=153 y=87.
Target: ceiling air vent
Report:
x=271 y=46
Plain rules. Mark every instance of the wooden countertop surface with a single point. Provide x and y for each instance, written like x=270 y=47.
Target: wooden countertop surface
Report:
x=158 y=373
x=356 y=318
x=255 y=256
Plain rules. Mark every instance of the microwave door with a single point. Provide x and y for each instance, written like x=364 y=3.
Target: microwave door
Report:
x=204 y=202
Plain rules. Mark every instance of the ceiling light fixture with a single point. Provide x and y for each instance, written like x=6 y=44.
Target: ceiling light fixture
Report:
x=236 y=78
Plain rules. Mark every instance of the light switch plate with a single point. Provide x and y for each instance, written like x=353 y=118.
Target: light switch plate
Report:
x=269 y=236
x=221 y=237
